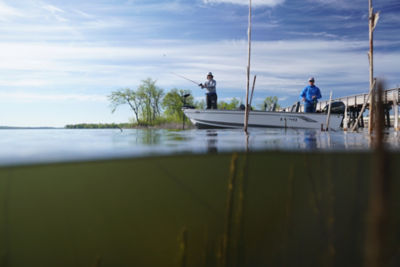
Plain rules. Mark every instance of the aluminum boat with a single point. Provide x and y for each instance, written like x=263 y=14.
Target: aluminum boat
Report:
x=235 y=119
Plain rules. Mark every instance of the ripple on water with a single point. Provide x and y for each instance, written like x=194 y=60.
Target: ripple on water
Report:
x=58 y=145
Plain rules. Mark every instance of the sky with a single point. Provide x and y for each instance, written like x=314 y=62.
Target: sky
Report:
x=59 y=60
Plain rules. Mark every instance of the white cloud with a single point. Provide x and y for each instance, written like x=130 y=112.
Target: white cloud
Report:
x=53 y=9
x=342 y=4
x=255 y=3
x=7 y=11
x=40 y=97
x=281 y=66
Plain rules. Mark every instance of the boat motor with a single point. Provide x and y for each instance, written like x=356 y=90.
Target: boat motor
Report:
x=185 y=96
x=337 y=107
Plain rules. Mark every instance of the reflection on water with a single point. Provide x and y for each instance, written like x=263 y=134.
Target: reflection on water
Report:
x=148 y=137
x=31 y=146
x=212 y=137
x=310 y=139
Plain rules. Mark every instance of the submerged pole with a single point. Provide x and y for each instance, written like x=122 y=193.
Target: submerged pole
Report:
x=376 y=239
x=246 y=113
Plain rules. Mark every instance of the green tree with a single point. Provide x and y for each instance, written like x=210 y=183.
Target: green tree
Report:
x=145 y=101
x=200 y=104
x=151 y=96
x=173 y=103
x=127 y=96
x=269 y=102
x=232 y=105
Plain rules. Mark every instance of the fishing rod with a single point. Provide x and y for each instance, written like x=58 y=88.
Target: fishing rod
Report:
x=183 y=77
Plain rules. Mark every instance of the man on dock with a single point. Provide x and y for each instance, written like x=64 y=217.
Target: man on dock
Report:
x=211 y=94
x=310 y=96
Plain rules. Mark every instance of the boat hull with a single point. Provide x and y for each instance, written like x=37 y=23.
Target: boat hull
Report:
x=235 y=119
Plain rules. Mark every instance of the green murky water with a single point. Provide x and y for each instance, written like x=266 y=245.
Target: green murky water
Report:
x=298 y=209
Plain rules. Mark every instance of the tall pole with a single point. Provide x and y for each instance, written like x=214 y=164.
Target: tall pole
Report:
x=371 y=65
x=247 y=109
x=373 y=21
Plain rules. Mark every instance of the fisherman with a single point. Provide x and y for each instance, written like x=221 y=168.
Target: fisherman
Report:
x=310 y=96
x=211 y=94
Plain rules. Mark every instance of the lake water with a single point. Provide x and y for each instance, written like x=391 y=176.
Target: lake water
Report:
x=59 y=145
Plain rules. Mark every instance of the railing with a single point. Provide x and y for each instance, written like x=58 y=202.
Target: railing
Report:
x=355 y=101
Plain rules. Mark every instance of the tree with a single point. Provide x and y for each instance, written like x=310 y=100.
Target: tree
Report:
x=126 y=96
x=145 y=101
x=151 y=96
x=200 y=104
x=234 y=104
x=269 y=102
x=174 y=101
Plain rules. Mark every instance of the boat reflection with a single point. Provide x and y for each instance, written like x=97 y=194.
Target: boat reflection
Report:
x=310 y=139
x=212 y=140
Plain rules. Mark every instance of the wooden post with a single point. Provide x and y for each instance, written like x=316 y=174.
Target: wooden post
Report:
x=376 y=240
x=226 y=242
x=252 y=90
x=371 y=67
x=345 y=119
x=370 y=97
x=246 y=116
x=396 y=111
x=183 y=244
x=329 y=112
x=373 y=20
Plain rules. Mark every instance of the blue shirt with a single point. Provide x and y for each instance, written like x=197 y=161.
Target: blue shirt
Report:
x=310 y=91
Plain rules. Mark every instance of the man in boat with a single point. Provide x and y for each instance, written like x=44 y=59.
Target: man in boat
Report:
x=211 y=94
x=310 y=96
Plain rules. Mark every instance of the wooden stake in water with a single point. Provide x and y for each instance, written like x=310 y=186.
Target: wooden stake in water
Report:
x=252 y=90
x=329 y=112
x=183 y=246
x=396 y=111
x=226 y=256
x=346 y=118
x=373 y=20
x=371 y=98
x=246 y=113
x=379 y=199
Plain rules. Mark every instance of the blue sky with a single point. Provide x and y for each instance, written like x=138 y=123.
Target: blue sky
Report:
x=60 y=59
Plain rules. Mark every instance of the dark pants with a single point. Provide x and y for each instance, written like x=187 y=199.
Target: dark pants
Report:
x=309 y=107
x=211 y=100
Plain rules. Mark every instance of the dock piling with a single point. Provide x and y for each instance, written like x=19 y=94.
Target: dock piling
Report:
x=346 y=118
x=329 y=111
x=371 y=98
x=396 y=111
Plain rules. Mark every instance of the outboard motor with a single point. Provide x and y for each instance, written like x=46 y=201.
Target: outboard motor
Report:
x=185 y=106
x=273 y=108
x=297 y=106
x=337 y=107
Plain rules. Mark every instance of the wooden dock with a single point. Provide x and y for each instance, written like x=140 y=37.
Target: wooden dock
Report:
x=354 y=103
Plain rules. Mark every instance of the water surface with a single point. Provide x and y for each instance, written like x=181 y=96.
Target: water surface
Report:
x=57 y=145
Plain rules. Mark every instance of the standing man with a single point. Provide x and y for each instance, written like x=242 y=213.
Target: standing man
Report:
x=211 y=94
x=310 y=96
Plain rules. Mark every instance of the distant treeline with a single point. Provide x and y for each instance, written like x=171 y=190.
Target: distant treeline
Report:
x=99 y=126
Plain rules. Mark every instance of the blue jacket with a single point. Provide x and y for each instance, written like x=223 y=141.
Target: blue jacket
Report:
x=310 y=91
